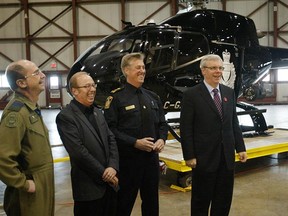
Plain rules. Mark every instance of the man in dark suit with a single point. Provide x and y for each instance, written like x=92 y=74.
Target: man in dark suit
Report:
x=136 y=117
x=210 y=133
x=92 y=149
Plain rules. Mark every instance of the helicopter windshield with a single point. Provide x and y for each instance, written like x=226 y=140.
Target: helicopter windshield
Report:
x=121 y=44
x=116 y=44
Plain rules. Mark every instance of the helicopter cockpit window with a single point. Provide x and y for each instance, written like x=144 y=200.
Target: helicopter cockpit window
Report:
x=192 y=46
x=160 y=48
x=121 y=44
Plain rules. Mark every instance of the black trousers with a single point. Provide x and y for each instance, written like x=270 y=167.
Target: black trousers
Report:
x=105 y=206
x=212 y=188
x=139 y=173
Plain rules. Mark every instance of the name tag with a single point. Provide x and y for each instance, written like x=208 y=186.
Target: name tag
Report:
x=130 y=107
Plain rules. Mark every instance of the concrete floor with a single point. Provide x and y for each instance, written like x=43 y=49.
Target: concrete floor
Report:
x=261 y=187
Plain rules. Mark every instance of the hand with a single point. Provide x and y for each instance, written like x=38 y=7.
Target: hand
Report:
x=32 y=187
x=109 y=174
x=114 y=182
x=242 y=156
x=191 y=163
x=145 y=144
x=159 y=145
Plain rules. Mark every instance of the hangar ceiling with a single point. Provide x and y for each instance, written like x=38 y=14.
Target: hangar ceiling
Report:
x=65 y=36
x=62 y=32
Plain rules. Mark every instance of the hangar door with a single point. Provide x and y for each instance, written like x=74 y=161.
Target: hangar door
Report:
x=53 y=93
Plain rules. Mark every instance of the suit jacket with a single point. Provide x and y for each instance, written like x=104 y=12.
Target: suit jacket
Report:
x=89 y=154
x=204 y=135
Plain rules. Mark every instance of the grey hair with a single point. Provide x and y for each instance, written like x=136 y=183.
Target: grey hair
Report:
x=210 y=57
x=125 y=62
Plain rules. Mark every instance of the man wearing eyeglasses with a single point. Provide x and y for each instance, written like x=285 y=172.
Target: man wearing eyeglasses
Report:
x=210 y=134
x=26 y=161
x=92 y=149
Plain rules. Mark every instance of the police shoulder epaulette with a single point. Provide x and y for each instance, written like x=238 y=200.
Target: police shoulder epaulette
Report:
x=116 y=90
x=16 y=106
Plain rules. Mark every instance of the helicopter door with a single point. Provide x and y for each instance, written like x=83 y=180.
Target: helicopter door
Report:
x=191 y=47
x=159 y=51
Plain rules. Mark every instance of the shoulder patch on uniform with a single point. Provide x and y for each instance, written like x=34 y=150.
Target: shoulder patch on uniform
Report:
x=11 y=120
x=116 y=90
x=16 y=106
x=108 y=102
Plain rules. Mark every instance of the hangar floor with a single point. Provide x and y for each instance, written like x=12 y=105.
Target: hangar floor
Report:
x=260 y=185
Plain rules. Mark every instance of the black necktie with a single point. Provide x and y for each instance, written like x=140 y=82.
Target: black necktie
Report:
x=218 y=102
x=144 y=114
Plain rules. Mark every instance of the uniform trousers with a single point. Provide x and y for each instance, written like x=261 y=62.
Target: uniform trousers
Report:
x=139 y=172
x=212 y=188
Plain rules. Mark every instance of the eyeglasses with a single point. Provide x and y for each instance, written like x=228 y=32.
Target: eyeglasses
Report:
x=35 y=73
x=88 y=86
x=215 y=68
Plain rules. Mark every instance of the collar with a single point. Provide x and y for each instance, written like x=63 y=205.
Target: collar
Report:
x=25 y=100
x=210 y=88
x=133 y=88
x=83 y=109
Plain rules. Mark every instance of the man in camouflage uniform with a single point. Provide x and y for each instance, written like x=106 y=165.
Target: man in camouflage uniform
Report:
x=26 y=161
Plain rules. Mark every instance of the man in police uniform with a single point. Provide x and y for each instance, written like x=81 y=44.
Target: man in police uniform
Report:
x=26 y=162
x=136 y=117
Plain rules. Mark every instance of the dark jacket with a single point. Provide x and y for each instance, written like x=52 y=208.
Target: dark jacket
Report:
x=89 y=154
x=123 y=115
x=203 y=135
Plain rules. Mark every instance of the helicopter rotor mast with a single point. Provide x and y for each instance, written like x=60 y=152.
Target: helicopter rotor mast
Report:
x=194 y=4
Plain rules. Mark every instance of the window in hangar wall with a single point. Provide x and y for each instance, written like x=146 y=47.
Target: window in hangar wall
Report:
x=269 y=82
x=54 y=82
x=3 y=81
x=282 y=75
x=268 y=86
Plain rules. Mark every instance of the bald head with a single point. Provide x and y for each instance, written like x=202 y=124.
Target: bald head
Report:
x=18 y=70
x=14 y=72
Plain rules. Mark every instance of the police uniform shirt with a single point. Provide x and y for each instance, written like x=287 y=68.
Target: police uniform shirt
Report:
x=124 y=117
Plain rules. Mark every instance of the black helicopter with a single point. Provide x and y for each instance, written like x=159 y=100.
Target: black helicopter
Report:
x=173 y=50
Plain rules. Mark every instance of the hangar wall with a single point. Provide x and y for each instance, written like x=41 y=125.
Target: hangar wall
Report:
x=58 y=31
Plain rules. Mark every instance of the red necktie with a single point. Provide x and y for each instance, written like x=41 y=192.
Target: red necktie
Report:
x=218 y=102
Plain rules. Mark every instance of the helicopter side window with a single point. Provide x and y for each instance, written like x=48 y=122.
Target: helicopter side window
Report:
x=192 y=46
x=121 y=45
x=159 y=51
x=137 y=46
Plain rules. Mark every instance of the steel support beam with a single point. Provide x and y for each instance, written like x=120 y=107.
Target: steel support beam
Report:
x=27 y=29
x=275 y=23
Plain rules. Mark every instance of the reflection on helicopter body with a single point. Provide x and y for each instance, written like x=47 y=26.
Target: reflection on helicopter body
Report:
x=173 y=51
